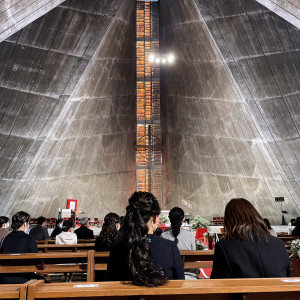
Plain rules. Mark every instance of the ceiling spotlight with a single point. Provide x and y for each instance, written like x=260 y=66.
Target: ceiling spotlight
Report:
x=157 y=60
x=170 y=58
x=151 y=57
x=163 y=60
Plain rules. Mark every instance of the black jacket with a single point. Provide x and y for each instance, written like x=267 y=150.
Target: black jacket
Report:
x=56 y=231
x=39 y=233
x=251 y=259
x=18 y=242
x=83 y=233
x=296 y=231
x=164 y=254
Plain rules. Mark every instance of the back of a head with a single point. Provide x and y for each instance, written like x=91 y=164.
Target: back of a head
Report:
x=176 y=215
x=84 y=221
x=243 y=222
x=19 y=219
x=3 y=220
x=109 y=232
x=142 y=206
x=41 y=220
x=58 y=221
x=67 y=225
x=297 y=222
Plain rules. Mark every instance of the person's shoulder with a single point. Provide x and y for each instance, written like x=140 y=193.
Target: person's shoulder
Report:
x=118 y=246
x=160 y=240
x=187 y=233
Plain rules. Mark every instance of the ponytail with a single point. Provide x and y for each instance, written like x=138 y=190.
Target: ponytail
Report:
x=109 y=233
x=176 y=215
x=142 y=206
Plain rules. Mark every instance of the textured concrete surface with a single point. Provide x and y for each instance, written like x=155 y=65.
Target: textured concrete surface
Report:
x=287 y=9
x=68 y=110
x=215 y=150
x=16 y=14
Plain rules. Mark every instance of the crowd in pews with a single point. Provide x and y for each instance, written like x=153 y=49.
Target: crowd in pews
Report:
x=139 y=254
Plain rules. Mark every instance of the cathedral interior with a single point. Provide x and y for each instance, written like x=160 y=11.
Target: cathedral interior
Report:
x=226 y=123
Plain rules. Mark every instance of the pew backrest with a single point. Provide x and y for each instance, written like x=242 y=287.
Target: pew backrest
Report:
x=258 y=288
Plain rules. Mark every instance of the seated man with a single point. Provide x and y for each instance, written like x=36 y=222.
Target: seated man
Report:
x=83 y=233
x=39 y=232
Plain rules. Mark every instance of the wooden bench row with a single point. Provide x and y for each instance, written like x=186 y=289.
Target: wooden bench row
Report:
x=52 y=241
x=88 y=261
x=74 y=247
x=217 y=289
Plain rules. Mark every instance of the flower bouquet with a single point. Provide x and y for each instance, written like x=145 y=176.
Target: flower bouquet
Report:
x=295 y=247
x=163 y=219
x=199 y=245
x=199 y=222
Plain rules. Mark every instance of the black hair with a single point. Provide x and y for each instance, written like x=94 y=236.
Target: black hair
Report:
x=109 y=233
x=58 y=221
x=41 y=220
x=297 y=222
x=67 y=225
x=3 y=220
x=268 y=224
x=176 y=215
x=142 y=206
x=18 y=219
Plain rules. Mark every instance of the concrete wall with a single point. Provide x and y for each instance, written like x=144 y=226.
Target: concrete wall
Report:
x=16 y=14
x=67 y=95
x=215 y=149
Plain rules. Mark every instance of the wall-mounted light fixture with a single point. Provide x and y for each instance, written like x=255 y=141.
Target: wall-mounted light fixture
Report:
x=157 y=58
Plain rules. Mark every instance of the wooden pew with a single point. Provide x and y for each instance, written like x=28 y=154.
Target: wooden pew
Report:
x=78 y=241
x=14 y=291
x=247 y=289
x=192 y=259
x=88 y=261
x=45 y=263
x=57 y=248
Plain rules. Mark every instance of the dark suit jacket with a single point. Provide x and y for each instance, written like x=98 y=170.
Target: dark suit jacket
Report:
x=18 y=242
x=83 y=233
x=39 y=233
x=251 y=259
x=296 y=231
x=57 y=230
x=164 y=254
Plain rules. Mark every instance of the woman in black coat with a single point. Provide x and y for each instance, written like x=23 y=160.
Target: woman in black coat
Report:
x=248 y=250
x=142 y=257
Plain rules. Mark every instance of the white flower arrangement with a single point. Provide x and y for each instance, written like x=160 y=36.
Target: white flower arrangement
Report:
x=209 y=234
x=295 y=246
x=199 y=222
x=199 y=245
x=163 y=219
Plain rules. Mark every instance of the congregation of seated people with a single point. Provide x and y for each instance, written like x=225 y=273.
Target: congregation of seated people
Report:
x=141 y=253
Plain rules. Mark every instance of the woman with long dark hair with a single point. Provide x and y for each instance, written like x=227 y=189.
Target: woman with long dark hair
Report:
x=109 y=233
x=144 y=258
x=184 y=239
x=248 y=250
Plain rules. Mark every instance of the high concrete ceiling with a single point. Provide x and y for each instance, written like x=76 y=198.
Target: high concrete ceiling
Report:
x=230 y=107
x=230 y=103
x=287 y=9
x=67 y=97
x=16 y=14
